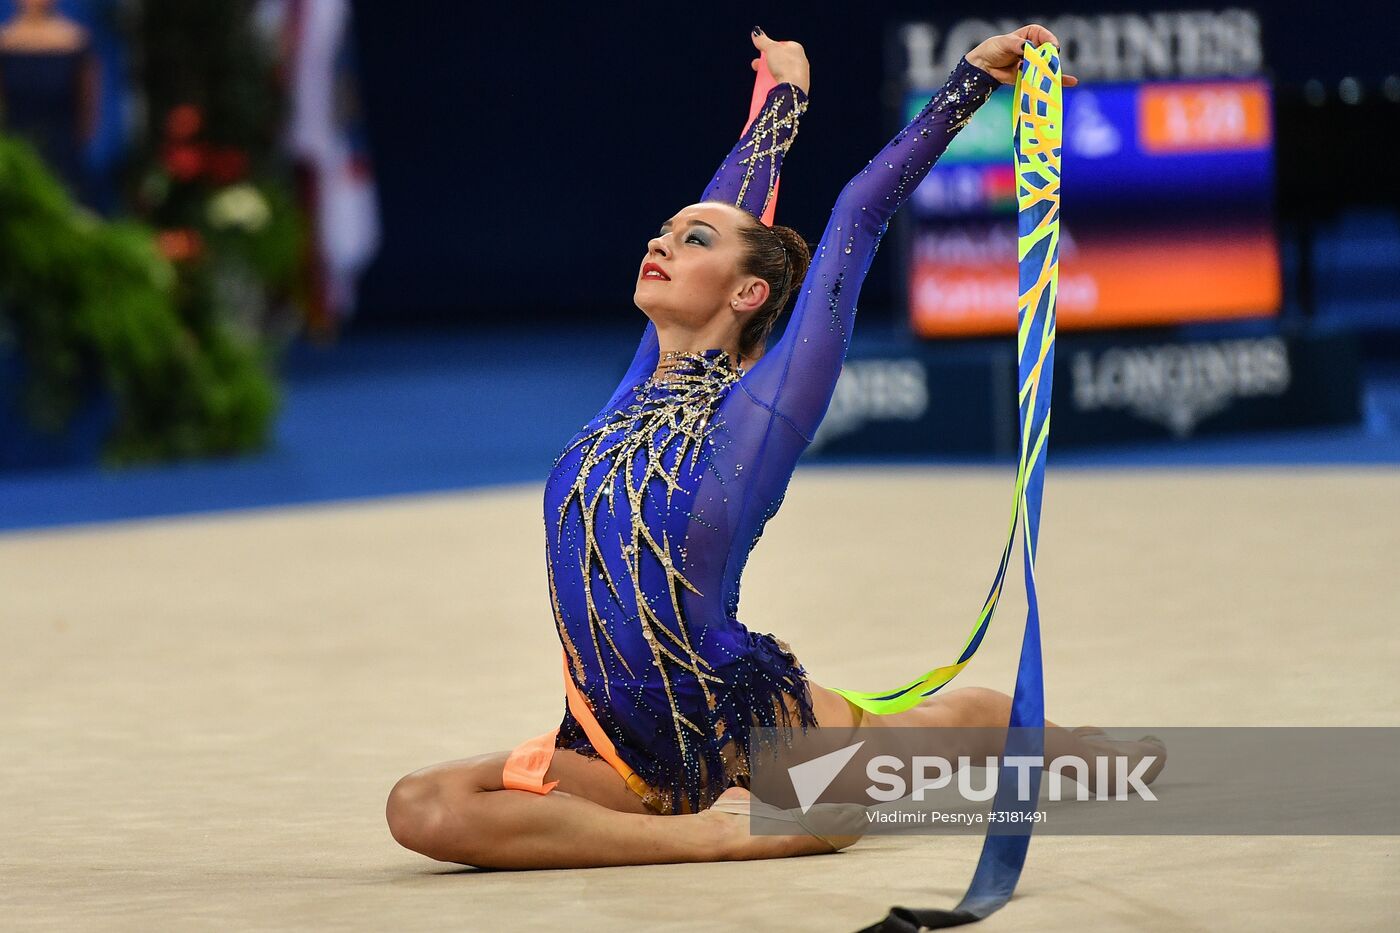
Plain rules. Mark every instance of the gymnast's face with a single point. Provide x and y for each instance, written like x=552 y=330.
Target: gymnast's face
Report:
x=691 y=272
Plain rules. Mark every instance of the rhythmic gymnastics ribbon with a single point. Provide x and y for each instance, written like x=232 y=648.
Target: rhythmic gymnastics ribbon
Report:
x=1036 y=132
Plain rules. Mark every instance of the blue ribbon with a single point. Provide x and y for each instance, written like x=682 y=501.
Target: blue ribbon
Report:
x=1036 y=135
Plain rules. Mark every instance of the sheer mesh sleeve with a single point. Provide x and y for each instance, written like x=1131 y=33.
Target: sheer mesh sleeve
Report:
x=796 y=378
x=747 y=175
x=745 y=179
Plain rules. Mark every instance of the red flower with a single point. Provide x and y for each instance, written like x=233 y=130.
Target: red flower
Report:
x=184 y=161
x=180 y=244
x=227 y=165
x=183 y=122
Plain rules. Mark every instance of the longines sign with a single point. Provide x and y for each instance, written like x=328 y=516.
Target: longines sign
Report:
x=1104 y=47
x=938 y=398
x=890 y=390
x=1178 y=385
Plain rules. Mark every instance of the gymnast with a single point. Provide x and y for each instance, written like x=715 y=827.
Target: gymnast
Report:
x=651 y=511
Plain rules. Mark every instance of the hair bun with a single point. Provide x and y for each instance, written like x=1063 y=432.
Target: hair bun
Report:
x=780 y=257
x=799 y=254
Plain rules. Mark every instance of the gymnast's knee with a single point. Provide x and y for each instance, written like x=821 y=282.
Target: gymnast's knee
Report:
x=976 y=702
x=421 y=820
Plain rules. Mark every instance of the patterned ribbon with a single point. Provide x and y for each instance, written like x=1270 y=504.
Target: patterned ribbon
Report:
x=1036 y=141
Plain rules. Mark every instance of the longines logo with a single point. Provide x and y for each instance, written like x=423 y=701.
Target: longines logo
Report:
x=874 y=390
x=1106 y=47
x=1178 y=385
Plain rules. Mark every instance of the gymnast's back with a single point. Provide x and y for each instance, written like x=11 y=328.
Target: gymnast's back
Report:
x=652 y=509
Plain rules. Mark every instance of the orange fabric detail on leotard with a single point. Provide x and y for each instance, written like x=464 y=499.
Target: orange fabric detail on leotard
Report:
x=526 y=766
x=578 y=705
x=528 y=762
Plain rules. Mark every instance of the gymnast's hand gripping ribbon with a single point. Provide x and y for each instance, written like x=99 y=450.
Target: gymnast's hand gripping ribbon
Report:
x=1036 y=141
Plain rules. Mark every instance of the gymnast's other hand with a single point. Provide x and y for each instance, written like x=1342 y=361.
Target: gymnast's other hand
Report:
x=1000 y=56
x=787 y=60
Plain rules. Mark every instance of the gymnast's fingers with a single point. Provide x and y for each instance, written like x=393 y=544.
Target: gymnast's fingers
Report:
x=1037 y=34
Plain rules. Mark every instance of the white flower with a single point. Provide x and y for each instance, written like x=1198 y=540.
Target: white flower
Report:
x=239 y=206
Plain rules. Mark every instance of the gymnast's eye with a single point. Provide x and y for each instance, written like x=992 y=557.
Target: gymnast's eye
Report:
x=694 y=237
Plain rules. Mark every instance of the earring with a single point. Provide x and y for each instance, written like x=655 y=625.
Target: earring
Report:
x=734 y=304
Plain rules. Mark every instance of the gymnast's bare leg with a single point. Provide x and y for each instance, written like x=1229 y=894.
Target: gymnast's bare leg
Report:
x=980 y=708
x=458 y=811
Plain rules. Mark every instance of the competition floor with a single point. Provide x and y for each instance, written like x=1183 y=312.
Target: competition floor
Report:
x=201 y=716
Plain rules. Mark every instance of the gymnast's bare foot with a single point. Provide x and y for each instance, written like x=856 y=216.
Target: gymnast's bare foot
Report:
x=1134 y=751
x=731 y=813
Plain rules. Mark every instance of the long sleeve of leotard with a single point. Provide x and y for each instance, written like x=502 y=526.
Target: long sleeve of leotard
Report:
x=795 y=379
x=745 y=179
x=748 y=173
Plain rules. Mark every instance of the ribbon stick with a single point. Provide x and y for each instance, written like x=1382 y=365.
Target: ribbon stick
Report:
x=762 y=84
x=1036 y=142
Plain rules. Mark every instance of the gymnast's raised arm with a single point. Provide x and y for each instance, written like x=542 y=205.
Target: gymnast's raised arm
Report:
x=797 y=377
x=748 y=173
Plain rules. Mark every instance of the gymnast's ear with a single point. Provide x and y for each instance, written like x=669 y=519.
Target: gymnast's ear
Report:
x=752 y=294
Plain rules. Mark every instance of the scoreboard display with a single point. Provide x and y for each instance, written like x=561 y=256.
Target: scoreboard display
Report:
x=1167 y=211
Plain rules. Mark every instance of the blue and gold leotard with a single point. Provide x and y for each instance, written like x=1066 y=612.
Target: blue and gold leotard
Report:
x=653 y=507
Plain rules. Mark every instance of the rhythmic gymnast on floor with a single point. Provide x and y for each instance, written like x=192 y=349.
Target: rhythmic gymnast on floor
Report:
x=652 y=508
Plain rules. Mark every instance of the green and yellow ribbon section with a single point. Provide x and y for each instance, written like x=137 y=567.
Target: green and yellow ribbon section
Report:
x=1037 y=154
x=1036 y=142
